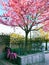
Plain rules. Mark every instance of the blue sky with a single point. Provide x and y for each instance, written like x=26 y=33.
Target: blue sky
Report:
x=1 y=11
x=1 y=7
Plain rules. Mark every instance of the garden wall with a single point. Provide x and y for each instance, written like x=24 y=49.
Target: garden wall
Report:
x=32 y=58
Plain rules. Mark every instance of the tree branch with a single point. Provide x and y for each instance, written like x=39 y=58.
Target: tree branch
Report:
x=20 y=26
x=47 y=18
x=37 y=29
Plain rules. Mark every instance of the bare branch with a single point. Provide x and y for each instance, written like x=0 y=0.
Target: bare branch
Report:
x=37 y=28
x=20 y=26
x=41 y=21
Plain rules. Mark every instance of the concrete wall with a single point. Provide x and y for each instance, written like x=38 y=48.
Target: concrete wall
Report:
x=32 y=58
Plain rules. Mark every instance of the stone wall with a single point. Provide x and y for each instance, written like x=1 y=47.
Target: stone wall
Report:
x=32 y=58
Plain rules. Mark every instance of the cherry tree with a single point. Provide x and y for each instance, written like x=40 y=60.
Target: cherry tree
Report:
x=25 y=14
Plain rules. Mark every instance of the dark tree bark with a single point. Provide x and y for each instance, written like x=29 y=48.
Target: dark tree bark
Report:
x=26 y=39
x=46 y=46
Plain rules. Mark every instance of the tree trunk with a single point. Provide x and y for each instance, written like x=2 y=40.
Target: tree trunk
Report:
x=46 y=46
x=26 y=40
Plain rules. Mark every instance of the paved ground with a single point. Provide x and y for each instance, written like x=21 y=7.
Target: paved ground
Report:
x=3 y=62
